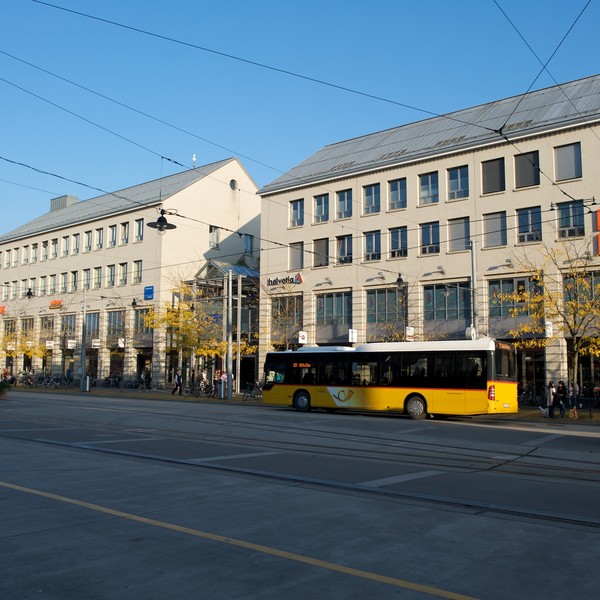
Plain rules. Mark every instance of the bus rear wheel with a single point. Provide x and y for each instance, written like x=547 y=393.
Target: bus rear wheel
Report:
x=302 y=401
x=416 y=408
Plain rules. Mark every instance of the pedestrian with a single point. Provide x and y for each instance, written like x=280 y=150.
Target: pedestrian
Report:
x=177 y=382
x=561 y=397
x=550 y=398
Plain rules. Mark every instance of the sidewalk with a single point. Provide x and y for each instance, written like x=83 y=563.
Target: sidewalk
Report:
x=116 y=392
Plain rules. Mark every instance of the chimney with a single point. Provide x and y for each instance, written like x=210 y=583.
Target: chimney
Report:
x=63 y=202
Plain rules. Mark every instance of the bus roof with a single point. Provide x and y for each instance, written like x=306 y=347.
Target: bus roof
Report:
x=436 y=345
x=480 y=344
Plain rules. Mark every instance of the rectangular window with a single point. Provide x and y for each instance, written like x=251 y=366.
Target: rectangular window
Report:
x=139 y=230
x=99 y=239
x=44 y=250
x=530 y=224
x=25 y=256
x=97 y=277
x=248 y=241
x=321 y=252
x=445 y=302
x=137 y=271
x=87 y=241
x=334 y=309
x=87 y=276
x=115 y=323
x=527 y=169
x=6 y=290
x=344 y=249
x=64 y=283
x=458 y=183
x=297 y=213
x=15 y=257
x=428 y=188
x=92 y=321
x=52 y=286
x=372 y=245
x=492 y=172
x=54 y=248
x=24 y=287
x=139 y=321
x=504 y=296
x=43 y=286
x=430 y=238
x=74 y=280
x=14 y=290
x=65 y=245
x=213 y=236
x=125 y=233
x=34 y=253
x=68 y=324
x=397 y=192
x=110 y=276
x=296 y=256
x=76 y=243
x=570 y=219
x=494 y=229
x=7 y=258
x=398 y=242
x=322 y=208
x=112 y=236
x=344 y=204
x=387 y=306
x=123 y=273
x=371 y=199
x=459 y=234
x=567 y=162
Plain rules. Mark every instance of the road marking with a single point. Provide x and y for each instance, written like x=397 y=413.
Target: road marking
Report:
x=400 y=478
x=226 y=456
x=300 y=558
x=541 y=440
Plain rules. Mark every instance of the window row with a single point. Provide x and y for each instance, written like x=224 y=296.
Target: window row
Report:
x=73 y=281
x=567 y=165
x=528 y=228
x=67 y=325
x=73 y=244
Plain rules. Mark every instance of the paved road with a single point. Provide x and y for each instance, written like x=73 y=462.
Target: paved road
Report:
x=113 y=497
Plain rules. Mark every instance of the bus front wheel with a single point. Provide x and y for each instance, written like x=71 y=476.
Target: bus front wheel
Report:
x=416 y=408
x=302 y=401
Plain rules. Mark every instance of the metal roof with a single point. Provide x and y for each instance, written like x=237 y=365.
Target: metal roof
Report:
x=126 y=200
x=564 y=105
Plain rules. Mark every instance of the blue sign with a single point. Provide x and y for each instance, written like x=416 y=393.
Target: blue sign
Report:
x=149 y=292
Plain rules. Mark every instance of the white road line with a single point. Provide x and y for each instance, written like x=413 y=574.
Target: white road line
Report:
x=228 y=456
x=401 y=478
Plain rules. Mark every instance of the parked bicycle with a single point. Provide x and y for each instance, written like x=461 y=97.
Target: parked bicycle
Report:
x=253 y=392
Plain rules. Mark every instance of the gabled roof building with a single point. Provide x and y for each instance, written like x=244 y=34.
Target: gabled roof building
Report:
x=414 y=230
x=99 y=258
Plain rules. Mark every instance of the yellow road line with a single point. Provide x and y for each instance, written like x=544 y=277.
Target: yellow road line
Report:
x=308 y=560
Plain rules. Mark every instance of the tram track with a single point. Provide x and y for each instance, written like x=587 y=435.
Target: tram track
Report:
x=350 y=445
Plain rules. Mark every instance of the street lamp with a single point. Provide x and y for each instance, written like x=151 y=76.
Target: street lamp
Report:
x=161 y=224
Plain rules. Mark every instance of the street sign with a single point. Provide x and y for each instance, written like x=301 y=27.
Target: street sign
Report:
x=409 y=334
x=149 y=292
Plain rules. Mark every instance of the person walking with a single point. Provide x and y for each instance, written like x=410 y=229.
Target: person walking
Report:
x=550 y=399
x=561 y=397
x=178 y=382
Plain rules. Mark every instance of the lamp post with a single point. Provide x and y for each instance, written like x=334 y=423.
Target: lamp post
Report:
x=82 y=382
x=229 y=332
x=471 y=332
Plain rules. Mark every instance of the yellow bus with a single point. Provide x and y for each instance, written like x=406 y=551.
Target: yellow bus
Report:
x=464 y=377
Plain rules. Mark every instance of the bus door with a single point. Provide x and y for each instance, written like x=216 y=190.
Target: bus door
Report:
x=449 y=397
x=474 y=367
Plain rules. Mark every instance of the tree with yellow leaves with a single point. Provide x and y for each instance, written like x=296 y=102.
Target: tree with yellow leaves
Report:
x=561 y=298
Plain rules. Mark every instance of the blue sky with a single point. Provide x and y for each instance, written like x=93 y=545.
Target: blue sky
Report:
x=435 y=55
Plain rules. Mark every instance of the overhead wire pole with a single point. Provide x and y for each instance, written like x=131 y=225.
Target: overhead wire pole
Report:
x=229 y=332
x=83 y=380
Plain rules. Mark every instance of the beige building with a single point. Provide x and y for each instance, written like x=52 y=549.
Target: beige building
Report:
x=99 y=258
x=413 y=230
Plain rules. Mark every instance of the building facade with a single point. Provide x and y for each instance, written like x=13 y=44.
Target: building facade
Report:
x=413 y=232
x=97 y=261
